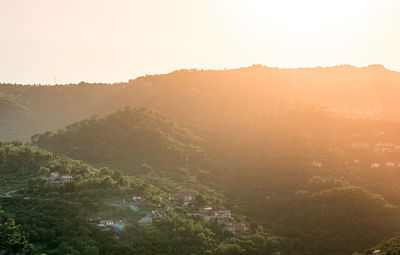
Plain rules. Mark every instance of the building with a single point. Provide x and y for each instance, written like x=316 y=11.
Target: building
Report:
x=224 y=214
x=301 y=192
x=54 y=175
x=136 y=198
x=317 y=164
x=185 y=198
x=389 y=164
x=157 y=214
x=360 y=145
x=66 y=177
x=317 y=180
x=376 y=252
x=146 y=219
x=375 y=165
x=106 y=223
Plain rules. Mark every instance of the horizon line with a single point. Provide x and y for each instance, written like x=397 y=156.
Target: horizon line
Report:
x=202 y=70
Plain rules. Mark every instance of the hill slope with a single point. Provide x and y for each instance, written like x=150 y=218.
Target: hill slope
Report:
x=126 y=140
x=211 y=99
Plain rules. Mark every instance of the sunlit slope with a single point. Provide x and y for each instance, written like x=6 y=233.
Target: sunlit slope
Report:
x=127 y=139
x=294 y=171
x=210 y=98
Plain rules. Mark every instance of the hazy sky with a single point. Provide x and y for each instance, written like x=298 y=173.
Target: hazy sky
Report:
x=115 y=40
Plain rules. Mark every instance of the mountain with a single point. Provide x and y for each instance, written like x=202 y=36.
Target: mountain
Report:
x=52 y=204
x=295 y=173
x=211 y=99
x=127 y=139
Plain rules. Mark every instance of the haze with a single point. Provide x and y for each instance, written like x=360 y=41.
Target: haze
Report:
x=110 y=41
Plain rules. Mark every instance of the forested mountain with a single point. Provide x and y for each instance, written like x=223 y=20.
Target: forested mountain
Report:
x=55 y=205
x=311 y=155
x=296 y=165
x=210 y=99
x=127 y=139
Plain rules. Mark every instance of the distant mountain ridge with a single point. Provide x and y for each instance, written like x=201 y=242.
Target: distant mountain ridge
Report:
x=207 y=97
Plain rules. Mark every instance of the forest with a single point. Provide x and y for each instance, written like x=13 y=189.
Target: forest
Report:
x=162 y=165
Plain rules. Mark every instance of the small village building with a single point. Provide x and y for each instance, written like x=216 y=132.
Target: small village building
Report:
x=54 y=175
x=157 y=214
x=148 y=219
x=224 y=214
x=386 y=150
x=301 y=192
x=241 y=227
x=136 y=198
x=376 y=252
x=185 y=198
x=360 y=145
x=375 y=165
x=106 y=223
x=389 y=164
x=317 y=164
x=317 y=180
x=66 y=177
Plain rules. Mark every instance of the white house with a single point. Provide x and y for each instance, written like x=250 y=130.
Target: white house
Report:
x=224 y=214
x=66 y=177
x=389 y=164
x=317 y=164
x=375 y=165
x=136 y=198
x=106 y=223
x=54 y=175
x=376 y=252
x=146 y=219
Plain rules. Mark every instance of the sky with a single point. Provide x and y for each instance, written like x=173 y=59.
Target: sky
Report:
x=68 y=41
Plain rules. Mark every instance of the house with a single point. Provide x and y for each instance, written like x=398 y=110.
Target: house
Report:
x=206 y=213
x=356 y=161
x=146 y=219
x=360 y=145
x=317 y=164
x=185 y=198
x=389 y=164
x=136 y=198
x=241 y=227
x=375 y=165
x=317 y=180
x=301 y=192
x=66 y=177
x=106 y=223
x=385 y=150
x=384 y=145
x=376 y=252
x=150 y=216
x=54 y=175
x=157 y=214
x=224 y=214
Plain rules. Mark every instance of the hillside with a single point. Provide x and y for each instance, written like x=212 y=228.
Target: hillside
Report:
x=55 y=205
x=126 y=140
x=294 y=167
x=210 y=99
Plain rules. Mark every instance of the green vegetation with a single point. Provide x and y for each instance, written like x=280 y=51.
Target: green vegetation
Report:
x=142 y=140
x=320 y=179
x=46 y=214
